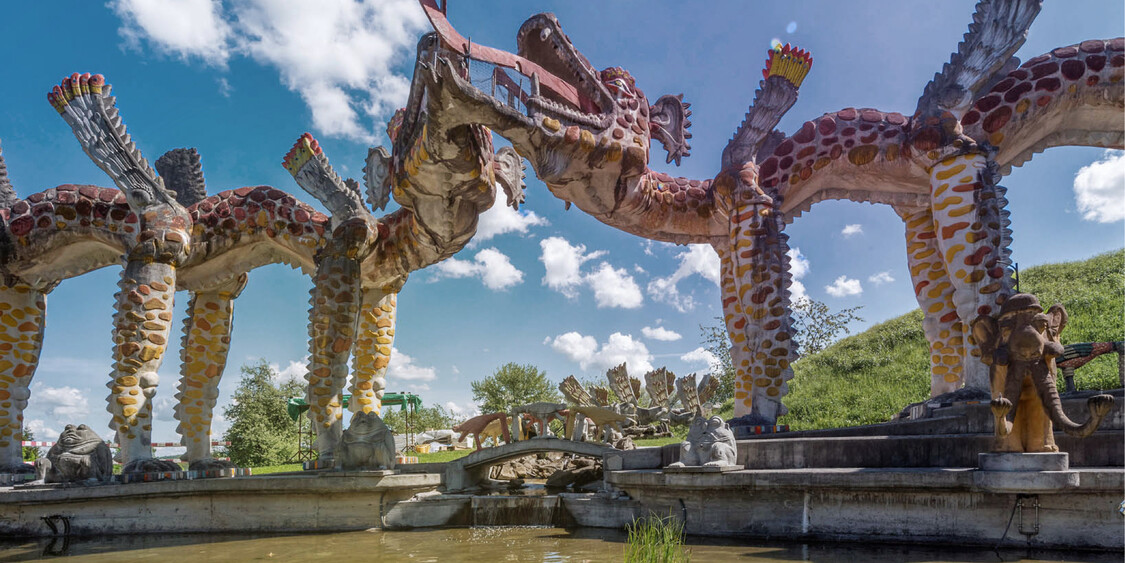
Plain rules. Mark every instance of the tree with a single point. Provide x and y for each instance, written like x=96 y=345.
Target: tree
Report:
x=435 y=417
x=513 y=385
x=815 y=327
x=30 y=453
x=261 y=432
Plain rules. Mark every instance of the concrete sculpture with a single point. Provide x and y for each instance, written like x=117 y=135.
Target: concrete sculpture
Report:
x=366 y=444
x=78 y=455
x=1020 y=345
x=587 y=135
x=540 y=415
x=604 y=421
x=482 y=426
x=709 y=443
x=175 y=237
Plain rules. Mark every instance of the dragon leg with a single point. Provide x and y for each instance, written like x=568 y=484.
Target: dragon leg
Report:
x=971 y=223
x=763 y=327
x=373 y=348
x=333 y=317
x=141 y=324
x=203 y=354
x=22 y=311
x=943 y=327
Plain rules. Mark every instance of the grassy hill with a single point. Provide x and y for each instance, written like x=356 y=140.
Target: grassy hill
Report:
x=868 y=377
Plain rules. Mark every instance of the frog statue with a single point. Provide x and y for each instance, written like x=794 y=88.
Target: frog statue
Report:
x=79 y=455
x=366 y=444
x=709 y=443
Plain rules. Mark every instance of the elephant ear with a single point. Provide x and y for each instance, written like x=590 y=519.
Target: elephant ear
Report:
x=1056 y=321
x=986 y=331
x=668 y=123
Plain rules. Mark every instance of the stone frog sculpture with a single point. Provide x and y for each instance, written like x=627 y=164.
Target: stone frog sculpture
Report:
x=366 y=444
x=710 y=443
x=1020 y=348
x=79 y=455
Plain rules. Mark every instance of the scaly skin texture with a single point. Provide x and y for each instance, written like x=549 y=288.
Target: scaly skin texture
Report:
x=203 y=354
x=376 y=336
x=22 y=311
x=587 y=147
x=940 y=322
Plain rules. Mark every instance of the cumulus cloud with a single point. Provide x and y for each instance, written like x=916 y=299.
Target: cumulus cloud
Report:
x=1099 y=189
x=701 y=356
x=493 y=267
x=339 y=56
x=798 y=268
x=501 y=219
x=296 y=369
x=185 y=28
x=585 y=351
x=843 y=287
x=614 y=287
x=61 y=403
x=698 y=259
x=562 y=261
x=41 y=431
x=852 y=230
x=660 y=333
x=881 y=278
x=465 y=411
x=403 y=368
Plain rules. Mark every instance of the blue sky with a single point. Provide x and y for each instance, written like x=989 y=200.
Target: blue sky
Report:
x=241 y=80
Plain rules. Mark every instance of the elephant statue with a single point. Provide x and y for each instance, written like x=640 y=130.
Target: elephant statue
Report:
x=1020 y=347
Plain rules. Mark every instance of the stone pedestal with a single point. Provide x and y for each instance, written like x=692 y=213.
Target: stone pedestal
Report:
x=1018 y=461
x=704 y=469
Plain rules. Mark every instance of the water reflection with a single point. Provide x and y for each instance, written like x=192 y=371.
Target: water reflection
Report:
x=480 y=544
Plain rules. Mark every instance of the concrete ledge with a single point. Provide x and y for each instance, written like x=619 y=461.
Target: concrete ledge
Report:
x=1025 y=481
x=1012 y=461
x=292 y=503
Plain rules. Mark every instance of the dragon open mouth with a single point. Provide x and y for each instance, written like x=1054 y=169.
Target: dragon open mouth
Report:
x=542 y=41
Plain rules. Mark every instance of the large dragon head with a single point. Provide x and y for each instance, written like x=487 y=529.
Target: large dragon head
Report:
x=577 y=125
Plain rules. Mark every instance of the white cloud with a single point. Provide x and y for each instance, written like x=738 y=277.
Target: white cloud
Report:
x=618 y=348
x=1099 y=188
x=660 y=333
x=65 y=404
x=881 y=278
x=798 y=268
x=455 y=369
x=612 y=287
x=851 y=230
x=403 y=368
x=41 y=431
x=295 y=370
x=843 y=287
x=339 y=56
x=501 y=219
x=493 y=267
x=164 y=408
x=563 y=263
x=188 y=28
x=697 y=259
x=418 y=387
x=701 y=356
x=461 y=411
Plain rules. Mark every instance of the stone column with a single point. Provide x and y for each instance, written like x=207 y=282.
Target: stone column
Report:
x=758 y=317
x=373 y=348
x=22 y=320
x=943 y=327
x=203 y=354
x=333 y=319
x=971 y=223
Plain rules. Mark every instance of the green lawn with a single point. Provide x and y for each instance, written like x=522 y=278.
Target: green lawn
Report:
x=868 y=377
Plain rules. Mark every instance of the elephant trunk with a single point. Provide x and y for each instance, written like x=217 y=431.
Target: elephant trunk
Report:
x=1049 y=394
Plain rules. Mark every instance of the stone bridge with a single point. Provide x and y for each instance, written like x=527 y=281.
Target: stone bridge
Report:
x=469 y=471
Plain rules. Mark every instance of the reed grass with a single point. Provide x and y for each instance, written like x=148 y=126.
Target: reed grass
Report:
x=656 y=540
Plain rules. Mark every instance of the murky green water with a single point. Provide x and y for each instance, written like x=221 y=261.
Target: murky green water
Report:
x=477 y=544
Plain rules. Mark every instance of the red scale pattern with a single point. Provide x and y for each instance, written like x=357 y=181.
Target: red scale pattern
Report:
x=70 y=206
x=1040 y=81
x=859 y=135
x=680 y=193
x=255 y=209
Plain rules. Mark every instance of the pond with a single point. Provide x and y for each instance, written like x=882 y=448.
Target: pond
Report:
x=482 y=544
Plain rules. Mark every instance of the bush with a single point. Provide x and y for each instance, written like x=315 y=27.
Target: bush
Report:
x=261 y=432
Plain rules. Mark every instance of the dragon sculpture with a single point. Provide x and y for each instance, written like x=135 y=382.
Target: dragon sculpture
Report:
x=173 y=236
x=587 y=135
